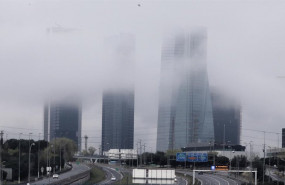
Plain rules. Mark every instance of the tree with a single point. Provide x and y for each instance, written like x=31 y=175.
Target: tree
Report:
x=239 y=161
x=258 y=164
x=91 y=150
x=222 y=160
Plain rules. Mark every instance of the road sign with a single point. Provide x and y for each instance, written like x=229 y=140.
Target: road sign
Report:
x=181 y=157
x=197 y=157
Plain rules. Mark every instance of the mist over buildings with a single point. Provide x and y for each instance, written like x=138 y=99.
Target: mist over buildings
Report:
x=51 y=48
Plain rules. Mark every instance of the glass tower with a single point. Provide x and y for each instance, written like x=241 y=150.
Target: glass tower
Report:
x=62 y=119
x=118 y=99
x=118 y=120
x=185 y=109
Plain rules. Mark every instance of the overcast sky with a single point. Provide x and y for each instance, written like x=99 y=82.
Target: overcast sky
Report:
x=246 y=45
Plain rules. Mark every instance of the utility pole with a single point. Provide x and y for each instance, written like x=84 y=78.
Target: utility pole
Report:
x=86 y=138
x=39 y=155
x=1 y=164
x=140 y=142
x=137 y=155
x=224 y=139
x=144 y=154
x=250 y=154
x=263 y=158
x=19 y=174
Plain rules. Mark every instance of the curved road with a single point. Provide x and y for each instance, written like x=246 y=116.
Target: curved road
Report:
x=110 y=172
x=76 y=169
x=213 y=179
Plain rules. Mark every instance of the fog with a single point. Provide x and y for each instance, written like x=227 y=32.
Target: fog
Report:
x=48 y=48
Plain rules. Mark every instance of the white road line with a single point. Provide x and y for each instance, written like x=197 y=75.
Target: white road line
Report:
x=222 y=179
x=214 y=179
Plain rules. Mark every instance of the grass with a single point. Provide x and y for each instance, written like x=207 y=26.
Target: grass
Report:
x=188 y=178
x=127 y=179
x=96 y=175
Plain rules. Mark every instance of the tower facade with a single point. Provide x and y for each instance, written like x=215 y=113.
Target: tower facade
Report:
x=118 y=100
x=118 y=120
x=227 y=118
x=62 y=119
x=185 y=108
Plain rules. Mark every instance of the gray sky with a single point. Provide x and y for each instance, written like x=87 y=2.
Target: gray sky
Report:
x=246 y=46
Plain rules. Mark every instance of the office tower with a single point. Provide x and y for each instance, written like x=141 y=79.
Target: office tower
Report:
x=185 y=109
x=118 y=120
x=118 y=100
x=227 y=118
x=63 y=119
x=283 y=138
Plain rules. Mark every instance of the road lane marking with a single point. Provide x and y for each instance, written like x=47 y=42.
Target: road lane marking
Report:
x=213 y=178
x=222 y=179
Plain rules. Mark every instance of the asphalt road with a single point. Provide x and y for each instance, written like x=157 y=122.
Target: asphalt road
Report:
x=110 y=172
x=76 y=169
x=272 y=173
x=213 y=179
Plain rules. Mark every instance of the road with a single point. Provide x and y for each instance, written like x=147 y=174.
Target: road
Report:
x=272 y=173
x=110 y=172
x=76 y=169
x=213 y=179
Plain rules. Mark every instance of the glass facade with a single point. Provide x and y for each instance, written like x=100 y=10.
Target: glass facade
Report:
x=62 y=120
x=227 y=118
x=185 y=110
x=118 y=120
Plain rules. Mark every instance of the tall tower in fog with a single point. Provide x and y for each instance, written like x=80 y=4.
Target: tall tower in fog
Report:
x=227 y=118
x=185 y=108
x=63 y=119
x=118 y=101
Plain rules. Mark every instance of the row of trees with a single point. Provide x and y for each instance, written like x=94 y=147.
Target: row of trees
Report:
x=43 y=154
x=238 y=162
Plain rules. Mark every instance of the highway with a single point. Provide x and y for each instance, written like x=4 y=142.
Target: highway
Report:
x=110 y=172
x=76 y=169
x=272 y=172
x=213 y=179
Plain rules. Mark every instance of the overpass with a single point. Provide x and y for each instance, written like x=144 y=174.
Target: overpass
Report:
x=93 y=158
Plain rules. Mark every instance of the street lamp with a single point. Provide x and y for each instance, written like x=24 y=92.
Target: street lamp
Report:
x=30 y=161
x=39 y=155
x=19 y=175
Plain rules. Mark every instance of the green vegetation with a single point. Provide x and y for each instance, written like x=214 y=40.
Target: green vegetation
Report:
x=188 y=178
x=127 y=179
x=61 y=149
x=96 y=175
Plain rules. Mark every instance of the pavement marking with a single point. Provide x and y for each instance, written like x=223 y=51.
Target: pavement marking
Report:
x=222 y=179
x=213 y=178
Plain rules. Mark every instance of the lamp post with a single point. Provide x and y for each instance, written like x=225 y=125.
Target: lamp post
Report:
x=39 y=155
x=19 y=175
x=54 y=158
x=30 y=147
x=60 y=156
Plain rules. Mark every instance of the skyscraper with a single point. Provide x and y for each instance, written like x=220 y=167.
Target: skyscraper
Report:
x=185 y=109
x=227 y=118
x=118 y=120
x=118 y=100
x=63 y=119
